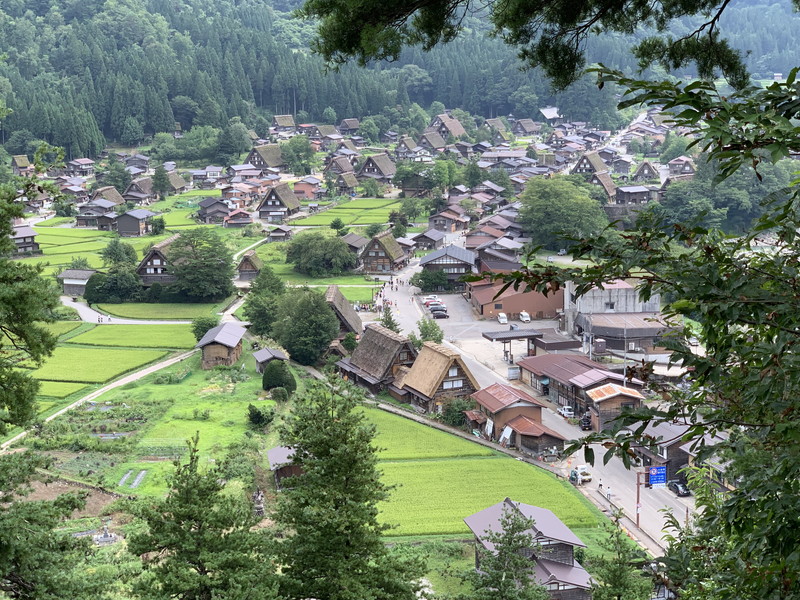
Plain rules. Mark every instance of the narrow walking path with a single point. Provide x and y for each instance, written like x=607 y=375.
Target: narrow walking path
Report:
x=97 y=393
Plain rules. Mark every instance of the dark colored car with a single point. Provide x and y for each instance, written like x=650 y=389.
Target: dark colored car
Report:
x=678 y=488
x=440 y=315
x=434 y=309
x=586 y=423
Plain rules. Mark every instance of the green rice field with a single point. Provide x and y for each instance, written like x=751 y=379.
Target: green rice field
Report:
x=138 y=336
x=58 y=389
x=90 y=365
x=361 y=211
x=60 y=328
x=156 y=311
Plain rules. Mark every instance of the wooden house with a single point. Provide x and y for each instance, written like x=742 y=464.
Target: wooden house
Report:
x=429 y=240
x=667 y=448
x=80 y=167
x=139 y=191
x=438 y=375
x=267 y=355
x=213 y=210
x=135 y=223
x=349 y=126
x=432 y=142
x=349 y=321
x=282 y=465
x=249 y=266
x=378 y=357
x=589 y=164
x=278 y=204
x=382 y=254
x=283 y=124
x=107 y=192
x=514 y=418
x=526 y=127
x=405 y=148
x=265 y=157
x=481 y=235
x=633 y=194
x=609 y=400
x=356 y=244
x=552 y=551
x=339 y=164
x=496 y=124
x=21 y=165
x=308 y=188
x=447 y=126
x=346 y=184
x=454 y=261
x=379 y=167
x=237 y=218
x=281 y=233
x=89 y=213
x=221 y=345
x=73 y=281
x=683 y=165
x=154 y=267
x=645 y=172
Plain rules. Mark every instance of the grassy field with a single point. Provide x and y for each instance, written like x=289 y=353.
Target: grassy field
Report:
x=90 y=365
x=361 y=211
x=138 y=336
x=358 y=294
x=58 y=389
x=60 y=328
x=156 y=311
x=55 y=221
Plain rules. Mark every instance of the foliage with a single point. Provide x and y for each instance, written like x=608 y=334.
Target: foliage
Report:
x=114 y=174
x=298 y=155
x=615 y=577
x=157 y=225
x=337 y=224
x=399 y=230
x=121 y=284
x=280 y=395
x=554 y=210
x=370 y=188
x=267 y=282
x=79 y=262
x=335 y=549
x=453 y=413
x=200 y=325
x=160 y=182
x=36 y=562
x=202 y=265
x=387 y=319
x=117 y=253
x=318 y=255
x=430 y=280
x=304 y=325
x=373 y=229
x=674 y=146
x=350 y=342
x=277 y=374
x=64 y=208
x=261 y=310
x=260 y=417
x=200 y=541
x=506 y=572
x=429 y=331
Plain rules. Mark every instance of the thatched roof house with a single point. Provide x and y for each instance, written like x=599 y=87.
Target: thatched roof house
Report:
x=437 y=374
x=377 y=358
x=249 y=266
x=349 y=321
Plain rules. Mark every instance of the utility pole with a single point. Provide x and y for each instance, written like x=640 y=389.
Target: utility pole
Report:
x=639 y=497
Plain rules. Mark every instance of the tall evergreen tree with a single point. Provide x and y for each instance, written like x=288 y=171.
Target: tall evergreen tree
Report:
x=334 y=548
x=161 y=184
x=202 y=265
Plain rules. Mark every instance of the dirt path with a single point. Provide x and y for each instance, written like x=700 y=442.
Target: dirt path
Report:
x=97 y=393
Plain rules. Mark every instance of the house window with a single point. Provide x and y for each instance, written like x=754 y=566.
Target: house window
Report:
x=662 y=451
x=610 y=305
x=499 y=306
x=371 y=253
x=381 y=253
x=404 y=356
x=156 y=261
x=150 y=270
x=454 y=384
x=453 y=372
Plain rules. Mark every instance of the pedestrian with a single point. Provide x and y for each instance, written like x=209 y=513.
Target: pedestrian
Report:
x=600 y=484
x=98 y=318
x=608 y=493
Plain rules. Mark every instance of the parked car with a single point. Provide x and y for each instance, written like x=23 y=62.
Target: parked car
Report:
x=586 y=423
x=437 y=304
x=435 y=309
x=562 y=252
x=502 y=318
x=440 y=315
x=432 y=302
x=431 y=298
x=566 y=412
x=525 y=317
x=678 y=488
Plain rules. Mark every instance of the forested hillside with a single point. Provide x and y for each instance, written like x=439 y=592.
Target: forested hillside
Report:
x=78 y=72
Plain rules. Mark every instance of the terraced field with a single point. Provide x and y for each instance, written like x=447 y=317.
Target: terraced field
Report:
x=362 y=211
x=92 y=365
x=138 y=336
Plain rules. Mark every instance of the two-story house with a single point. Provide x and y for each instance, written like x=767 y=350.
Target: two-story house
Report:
x=454 y=261
x=382 y=254
x=278 y=203
x=377 y=358
x=24 y=238
x=379 y=167
x=154 y=267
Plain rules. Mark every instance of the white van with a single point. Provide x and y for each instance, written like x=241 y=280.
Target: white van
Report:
x=524 y=317
x=502 y=318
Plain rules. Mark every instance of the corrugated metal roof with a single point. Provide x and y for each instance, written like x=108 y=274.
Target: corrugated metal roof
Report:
x=226 y=334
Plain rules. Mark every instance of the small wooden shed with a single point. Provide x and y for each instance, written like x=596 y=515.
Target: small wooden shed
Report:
x=249 y=266
x=221 y=345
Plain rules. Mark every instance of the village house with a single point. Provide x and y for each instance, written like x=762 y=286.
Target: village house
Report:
x=645 y=172
x=608 y=401
x=213 y=210
x=73 y=281
x=221 y=346
x=565 y=379
x=633 y=194
x=280 y=233
x=265 y=157
x=154 y=267
x=552 y=552
x=349 y=126
x=526 y=128
x=137 y=161
x=588 y=164
x=339 y=164
x=487 y=300
x=89 y=213
x=431 y=141
x=477 y=237
x=308 y=187
x=82 y=167
x=107 y=192
x=683 y=165
x=663 y=447
x=377 y=358
x=267 y=355
x=21 y=165
x=139 y=191
x=135 y=223
x=379 y=167
x=429 y=240
x=249 y=266
x=356 y=244
x=448 y=221
x=447 y=126
x=278 y=204
x=382 y=254
x=438 y=375
x=454 y=261
x=282 y=465
x=237 y=218
x=283 y=124
x=349 y=321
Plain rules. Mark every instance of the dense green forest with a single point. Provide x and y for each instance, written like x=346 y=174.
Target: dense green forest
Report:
x=80 y=72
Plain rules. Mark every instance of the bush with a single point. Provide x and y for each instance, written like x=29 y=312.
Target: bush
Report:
x=279 y=394
x=277 y=374
x=201 y=325
x=350 y=342
x=260 y=418
x=453 y=413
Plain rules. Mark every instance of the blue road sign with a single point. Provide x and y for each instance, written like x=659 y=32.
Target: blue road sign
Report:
x=658 y=476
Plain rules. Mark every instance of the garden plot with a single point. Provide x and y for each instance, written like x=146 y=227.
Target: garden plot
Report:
x=90 y=365
x=432 y=497
x=138 y=336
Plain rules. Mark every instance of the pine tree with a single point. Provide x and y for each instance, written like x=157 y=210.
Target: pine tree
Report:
x=200 y=540
x=335 y=550
x=388 y=320
x=615 y=576
x=161 y=184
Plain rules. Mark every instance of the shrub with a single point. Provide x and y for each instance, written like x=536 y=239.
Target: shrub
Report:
x=277 y=374
x=260 y=418
x=201 y=325
x=453 y=413
x=279 y=394
x=350 y=342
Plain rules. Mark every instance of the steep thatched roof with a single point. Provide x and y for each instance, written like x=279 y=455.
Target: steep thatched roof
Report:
x=453 y=125
x=176 y=181
x=283 y=193
x=431 y=368
x=433 y=139
x=383 y=163
x=324 y=130
x=348 y=179
x=496 y=124
x=110 y=193
x=377 y=350
x=270 y=154
x=250 y=257
x=283 y=120
x=21 y=161
x=344 y=310
x=390 y=245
